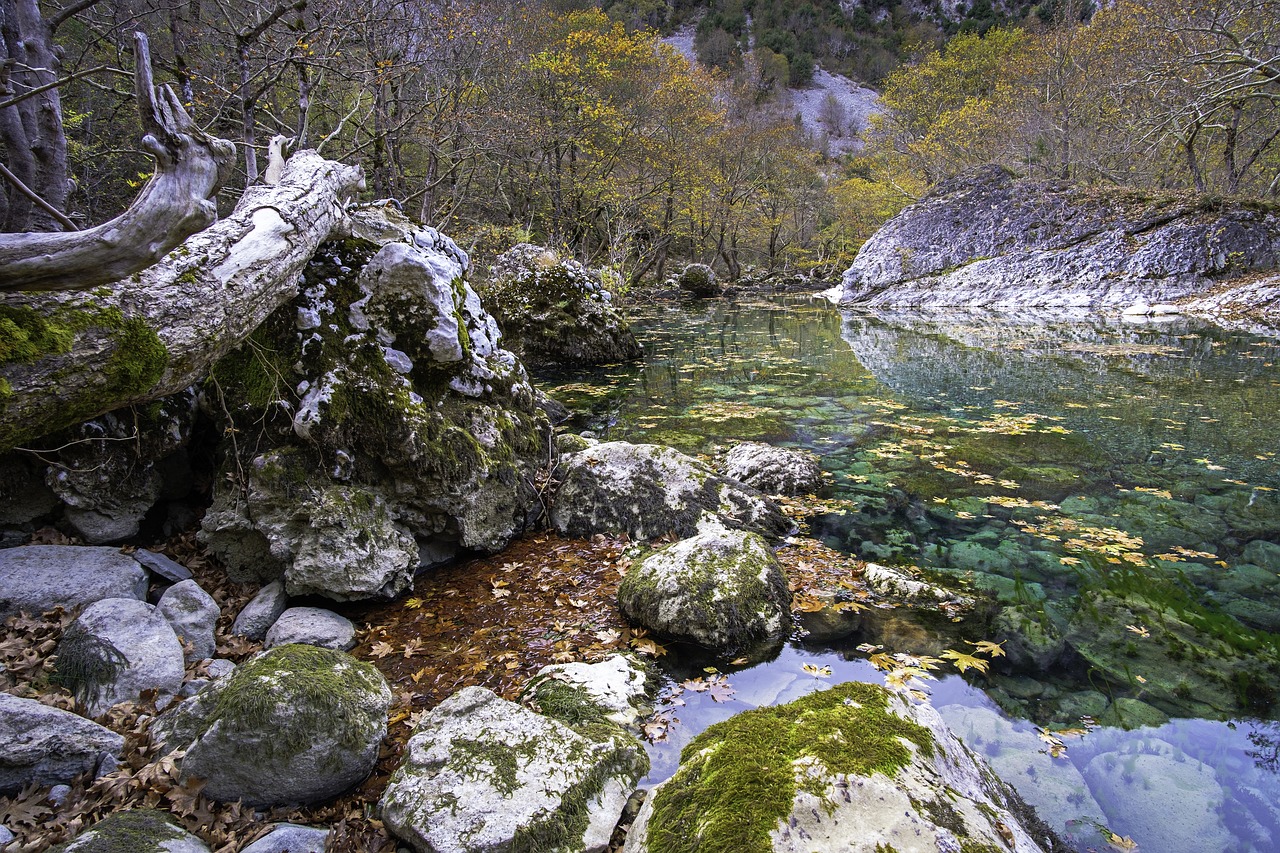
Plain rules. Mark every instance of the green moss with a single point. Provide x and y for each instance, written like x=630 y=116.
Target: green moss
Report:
x=497 y=764
x=131 y=831
x=736 y=780
x=139 y=360
x=319 y=687
x=25 y=335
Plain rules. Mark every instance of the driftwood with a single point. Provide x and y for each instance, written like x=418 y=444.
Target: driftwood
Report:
x=175 y=203
x=158 y=332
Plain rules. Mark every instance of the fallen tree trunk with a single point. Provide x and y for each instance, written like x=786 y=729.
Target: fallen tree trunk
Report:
x=65 y=358
x=175 y=203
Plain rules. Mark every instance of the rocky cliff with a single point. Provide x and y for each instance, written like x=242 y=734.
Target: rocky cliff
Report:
x=987 y=239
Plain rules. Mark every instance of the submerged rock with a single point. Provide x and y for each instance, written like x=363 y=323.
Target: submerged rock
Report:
x=721 y=588
x=774 y=470
x=137 y=831
x=553 y=311
x=296 y=724
x=48 y=746
x=851 y=768
x=986 y=239
x=387 y=424
x=36 y=578
x=484 y=774
x=645 y=491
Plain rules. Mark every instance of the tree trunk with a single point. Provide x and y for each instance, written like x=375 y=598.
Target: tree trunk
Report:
x=174 y=205
x=158 y=332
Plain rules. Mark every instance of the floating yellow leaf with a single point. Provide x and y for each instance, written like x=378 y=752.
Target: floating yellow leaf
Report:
x=965 y=662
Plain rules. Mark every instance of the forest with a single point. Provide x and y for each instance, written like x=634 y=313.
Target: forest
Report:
x=576 y=126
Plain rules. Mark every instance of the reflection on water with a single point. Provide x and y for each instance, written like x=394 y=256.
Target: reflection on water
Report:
x=1113 y=485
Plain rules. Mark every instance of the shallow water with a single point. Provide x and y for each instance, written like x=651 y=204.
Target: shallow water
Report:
x=1063 y=466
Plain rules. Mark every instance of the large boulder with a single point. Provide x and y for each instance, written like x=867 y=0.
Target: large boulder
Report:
x=986 y=239
x=721 y=588
x=314 y=626
x=851 y=768
x=484 y=774
x=118 y=649
x=296 y=724
x=699 y=280
x=48 y=746
x=37 y=578
x=645 y=490
x=774 y=470
x=388 y=429
x=554 y=312
x=137 y=831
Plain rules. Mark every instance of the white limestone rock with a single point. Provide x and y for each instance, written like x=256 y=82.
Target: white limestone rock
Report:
x=484 y=774
x=646 y=490
x=262 y=611
x=619 y=685
x=774 y=470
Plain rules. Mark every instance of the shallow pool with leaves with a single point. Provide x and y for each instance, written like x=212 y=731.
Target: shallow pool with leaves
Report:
x=1112 y=486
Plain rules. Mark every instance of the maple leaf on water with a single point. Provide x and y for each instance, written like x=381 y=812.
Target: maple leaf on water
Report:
x=986 y=647
x=721 y=691
x=1140 y=630
x=608 y=636
x=381 y=649
x=965 y=662
x=817 y=671
x=648 y=647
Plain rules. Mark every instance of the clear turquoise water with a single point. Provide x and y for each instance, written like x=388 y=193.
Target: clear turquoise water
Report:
x=1059 y=465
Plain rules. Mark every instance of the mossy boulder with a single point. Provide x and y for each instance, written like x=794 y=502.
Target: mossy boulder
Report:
x=721 y=588
x=296 y=724
x=381 y=427
x=135 y=831
x=554 y=312
x=646 y=490
x=854 y=767
x=699 y=280
x=484 y=774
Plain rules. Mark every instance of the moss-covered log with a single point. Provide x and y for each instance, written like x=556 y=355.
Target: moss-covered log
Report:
x=65 y=358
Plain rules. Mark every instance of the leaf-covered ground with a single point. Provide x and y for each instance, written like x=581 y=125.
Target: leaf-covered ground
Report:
x=492 y=622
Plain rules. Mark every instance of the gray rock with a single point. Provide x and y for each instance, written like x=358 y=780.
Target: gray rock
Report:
x=987 y=240
x=313 y=626
x=645 y=490
x=1030 y=638
x=48 y=746
x=6 y=835
x=910 y=785
x=137 y=831
x=482 y=774
x=37 y=578
x=24 y=497
x=159 y=564
x=150 y=654
x=721 y=588
x=774 y=470
x=262 y=611
x=290 y=838
x=553 y=311
x=58 y=795
x=296 y=724
x=193 y=615
x=699 y=280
